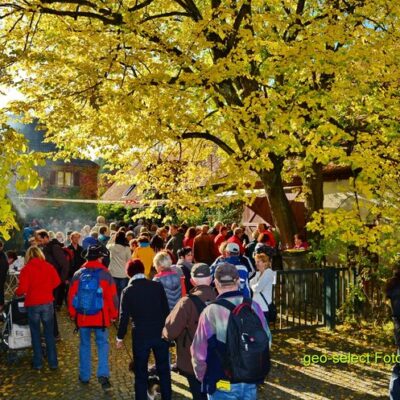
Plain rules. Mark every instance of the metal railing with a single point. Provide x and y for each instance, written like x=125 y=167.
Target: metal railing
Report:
x=310 y=297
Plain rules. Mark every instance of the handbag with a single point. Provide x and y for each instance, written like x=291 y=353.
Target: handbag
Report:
x=272 y=311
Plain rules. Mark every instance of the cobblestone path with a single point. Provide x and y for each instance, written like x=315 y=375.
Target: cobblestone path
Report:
x=289 y=378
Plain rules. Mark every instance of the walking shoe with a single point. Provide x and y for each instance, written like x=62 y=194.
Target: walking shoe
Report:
x=82 y=381
x=104 y=382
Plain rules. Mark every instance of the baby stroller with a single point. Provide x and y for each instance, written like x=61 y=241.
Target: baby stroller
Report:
x=15 y=334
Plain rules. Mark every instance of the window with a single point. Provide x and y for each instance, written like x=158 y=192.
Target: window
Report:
x=65 y=178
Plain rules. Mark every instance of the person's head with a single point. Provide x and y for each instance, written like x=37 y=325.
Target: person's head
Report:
x=262 y=262
x=261 y=227
x=133 y=244
x=86 y=230
x=94 y=234
x=234 y=226
x=32 y=241
x=143 y=229
x=113 y=226
x=134 y=267
x=60 y=237
x=103 y=230
x=254 y=235
x=100 y=220
x=143 y=240
x=42 y=237
x=162 y=232
x=226 y=278
x=185 y=254
x=129 y=235
x=96 y=252
x=200 y=274
x=232 y=249
x=223 y=230
x=222 y=248
x=298 y=239
x=173 y=230
x=34 y=252
x=52 y=235
x=75 y=237
x=162 y=261
x=120 y=238
x=238 y=232
x=190 y=233
x=217 y=226
x=140 y=221
x=204 y=229
x=11 y=256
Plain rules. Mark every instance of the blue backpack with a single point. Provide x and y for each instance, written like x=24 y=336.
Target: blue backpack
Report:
x=89 y=298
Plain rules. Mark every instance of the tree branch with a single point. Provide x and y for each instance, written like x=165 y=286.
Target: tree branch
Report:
x=211 y=138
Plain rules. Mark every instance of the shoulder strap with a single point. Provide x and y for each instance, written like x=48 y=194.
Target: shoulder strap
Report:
x=225 y=303
x=200 y=305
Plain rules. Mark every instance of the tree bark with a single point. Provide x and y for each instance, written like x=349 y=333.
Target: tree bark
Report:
x=314 y=198
x=281 y=211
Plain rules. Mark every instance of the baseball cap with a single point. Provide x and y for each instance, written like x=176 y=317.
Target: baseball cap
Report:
x=200 y=270
x=232 y=248
x=226 y=274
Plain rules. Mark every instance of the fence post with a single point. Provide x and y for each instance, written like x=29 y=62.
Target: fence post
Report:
x=330 y=297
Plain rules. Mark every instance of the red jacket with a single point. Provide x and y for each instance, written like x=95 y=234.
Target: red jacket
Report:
x=110 y=308
x=37 y=281
x=271 y=237
x=219 y=239
x=235 y=239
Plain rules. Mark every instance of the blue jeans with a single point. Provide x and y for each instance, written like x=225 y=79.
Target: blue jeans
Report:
x=45 y=314
x=141 y=353
x=121 y=284
x=239 y=391
x=103 y=348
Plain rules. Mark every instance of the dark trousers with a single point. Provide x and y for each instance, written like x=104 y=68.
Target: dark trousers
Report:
x=141 y=353
x=3 y=277
x=195 y=388
x=59 y=294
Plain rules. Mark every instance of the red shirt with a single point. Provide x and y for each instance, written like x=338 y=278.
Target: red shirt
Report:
x=110 y=299
x=37 y=281
x=188 y=242
x=272 y=241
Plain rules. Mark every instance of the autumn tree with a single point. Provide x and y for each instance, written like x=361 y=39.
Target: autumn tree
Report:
x=214 y=95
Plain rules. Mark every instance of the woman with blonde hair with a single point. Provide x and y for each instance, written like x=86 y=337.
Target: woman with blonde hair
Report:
x=261 y=285
x=37 y=281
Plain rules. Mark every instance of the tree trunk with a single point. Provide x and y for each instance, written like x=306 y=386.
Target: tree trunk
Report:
x=314 y=198
x=281 y=211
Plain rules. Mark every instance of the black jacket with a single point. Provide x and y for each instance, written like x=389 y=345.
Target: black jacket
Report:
x=55 y=255
x=145 y=302
x=77 y=261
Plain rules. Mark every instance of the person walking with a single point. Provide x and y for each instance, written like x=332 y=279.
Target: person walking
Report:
x=144 y=303
x=120 y=254
x=37 y=282
x=203 y=247
x=181 y=323
x=145 y=254
x=93 y=305
x=169 y=278
x=213 y=356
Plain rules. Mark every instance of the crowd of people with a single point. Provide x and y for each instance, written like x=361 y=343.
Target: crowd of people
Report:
x=174 y=284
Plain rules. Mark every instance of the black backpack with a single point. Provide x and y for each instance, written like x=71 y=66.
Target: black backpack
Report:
x=247 y=357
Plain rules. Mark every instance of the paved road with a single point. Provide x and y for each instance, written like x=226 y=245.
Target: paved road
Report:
x=289 y=378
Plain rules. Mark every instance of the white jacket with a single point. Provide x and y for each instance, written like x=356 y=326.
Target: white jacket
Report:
x=119 y=256
x=263 y=284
